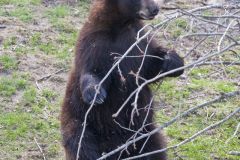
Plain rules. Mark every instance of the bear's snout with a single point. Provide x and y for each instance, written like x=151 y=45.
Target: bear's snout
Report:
x=149 y=9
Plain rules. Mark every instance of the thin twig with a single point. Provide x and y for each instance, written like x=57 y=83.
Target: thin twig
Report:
x=234 y=153
x=234 y=134
x=190 y=138
x=184 y=114
x=218 y=63
x=40 y=149
x=50 y=75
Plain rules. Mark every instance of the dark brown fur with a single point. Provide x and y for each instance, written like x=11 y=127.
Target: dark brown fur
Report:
x=109 y=30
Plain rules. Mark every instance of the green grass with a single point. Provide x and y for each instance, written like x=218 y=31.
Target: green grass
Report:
x=25 y=111
x=29 y=95
x=57 y=16
x=35 y=39
x=8 y=62
x=59 y=12
x=63 y=25
x=23 y=13
x=9 y=85
x=209 y=145
x=217 y=86
x=182 y=23
x=213 y=143
x=17 y=125
x=7 y=43
x=20 y=2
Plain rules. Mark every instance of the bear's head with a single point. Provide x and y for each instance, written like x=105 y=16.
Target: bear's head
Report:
x=142 y=9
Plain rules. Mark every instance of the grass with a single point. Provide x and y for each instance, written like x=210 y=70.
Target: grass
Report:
x=59 y=12
x=23 y=13
x=10 y=85
x=10 y=42
x=211 y=144
x=8 y=62
x=27 y=112
x=20 y=3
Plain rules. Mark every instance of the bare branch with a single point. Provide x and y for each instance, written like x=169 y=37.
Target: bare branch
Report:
x=190 y=138
x=234 y=153
x=184 y=114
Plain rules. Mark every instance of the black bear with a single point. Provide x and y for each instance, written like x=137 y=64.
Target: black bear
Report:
x=111 y=28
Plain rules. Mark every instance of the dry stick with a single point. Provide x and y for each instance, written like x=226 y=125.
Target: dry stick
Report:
x=218 y=63
x=211 y=34
x=157 y=77
x=191 y=138
x=234 y=153
x=198 y=44
x=47 y=77
x=232 y=16
x=180 y=14
x=137 y=93
x=39 y=147
x=138 y=76
x=2 y=27
x=127 y=52
x=204 y=20
x=234 y=134
x=222 y=16
x=100 y=84
x=184 y=114
x=50 y=75
x=220 y=43
x=224 y=34
x=139 y=39
x=172 y=71
x=140 y=129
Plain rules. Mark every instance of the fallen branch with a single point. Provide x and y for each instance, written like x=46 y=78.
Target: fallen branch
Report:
x=234 y=153
x=2 y=27
x=218 y=63
x=184 y=114
x=234 y=134
x=176 y=15
x=189 y=139
x=50 y=75
x=44 y=78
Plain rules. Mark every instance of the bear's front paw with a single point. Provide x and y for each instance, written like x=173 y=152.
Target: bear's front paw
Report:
x=89 y=94
x=173 y=61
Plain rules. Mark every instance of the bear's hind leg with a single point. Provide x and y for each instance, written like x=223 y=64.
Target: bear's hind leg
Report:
x=156 y=142
x=89 y=147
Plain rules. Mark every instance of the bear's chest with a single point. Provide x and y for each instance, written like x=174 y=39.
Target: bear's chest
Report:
x=131 y=54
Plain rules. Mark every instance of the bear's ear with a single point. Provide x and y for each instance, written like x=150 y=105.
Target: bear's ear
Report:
x=173 y=61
